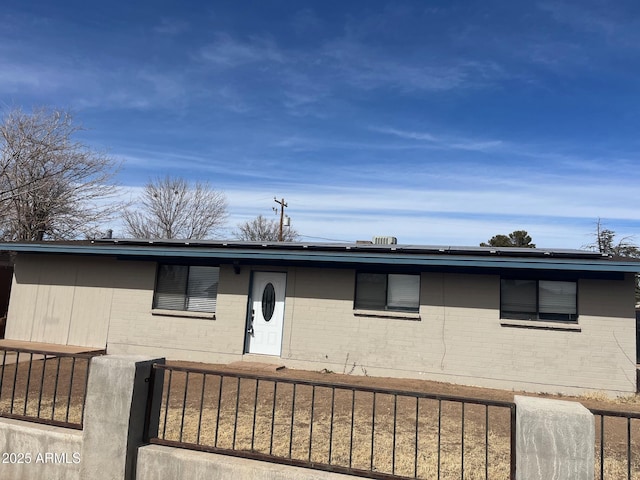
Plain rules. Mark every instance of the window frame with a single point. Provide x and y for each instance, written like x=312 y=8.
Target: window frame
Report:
x=538 y=316
x=184 y=311
x=385 y=309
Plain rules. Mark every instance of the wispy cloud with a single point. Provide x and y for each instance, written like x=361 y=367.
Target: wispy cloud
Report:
x=306 y=79
x=305 y=82
x=443 y=142
x=581 y=15
x=368 y=119
x=615 y=23
x=136 y=90
x=16 y=77
x=422 y=217
x=556 y=55
x=227 y=51
x=436 y=216
x=367 y=68
x=475 y=191
x=86 y=84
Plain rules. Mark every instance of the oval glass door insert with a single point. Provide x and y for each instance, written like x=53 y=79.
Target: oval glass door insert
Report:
x=268 y=302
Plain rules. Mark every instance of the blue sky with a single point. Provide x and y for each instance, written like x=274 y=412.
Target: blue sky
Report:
x=438 y=122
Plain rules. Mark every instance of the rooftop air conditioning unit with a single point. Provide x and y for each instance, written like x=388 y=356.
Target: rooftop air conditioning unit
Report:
x=378 y=240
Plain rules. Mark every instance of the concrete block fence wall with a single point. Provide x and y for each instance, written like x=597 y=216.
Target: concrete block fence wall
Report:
x=555 y=439
x=106 y=448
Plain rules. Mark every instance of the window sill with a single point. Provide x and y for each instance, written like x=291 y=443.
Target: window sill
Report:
x=541 y=325
x=387 y=314
x=183 y=313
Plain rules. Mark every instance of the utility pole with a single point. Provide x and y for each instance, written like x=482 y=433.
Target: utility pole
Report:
x=283 y=205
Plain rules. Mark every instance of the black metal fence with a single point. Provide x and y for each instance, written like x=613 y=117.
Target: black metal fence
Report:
x=371 y=432
x=617 y=445
x=43 y=386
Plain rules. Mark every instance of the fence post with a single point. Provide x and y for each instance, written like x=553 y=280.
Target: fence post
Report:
x=114 y=416
x=555 y=440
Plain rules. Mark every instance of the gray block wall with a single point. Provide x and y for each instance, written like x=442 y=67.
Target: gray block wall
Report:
x=555 y=440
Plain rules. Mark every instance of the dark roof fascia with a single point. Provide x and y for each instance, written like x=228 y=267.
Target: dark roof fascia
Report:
x=595 y=263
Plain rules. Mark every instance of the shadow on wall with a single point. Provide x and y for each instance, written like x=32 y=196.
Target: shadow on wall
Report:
x=6 y=276
x=84 y=271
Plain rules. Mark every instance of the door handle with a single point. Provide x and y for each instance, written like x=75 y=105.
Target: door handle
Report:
x=250 y=329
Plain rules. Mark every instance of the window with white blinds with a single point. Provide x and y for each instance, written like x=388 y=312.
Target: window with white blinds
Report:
x=186 y=288
x=538 y=299
x=557 y=300
x=381 y=291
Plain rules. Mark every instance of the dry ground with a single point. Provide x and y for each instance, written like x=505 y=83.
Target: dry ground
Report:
x=323 y=433
x=36 y=387
x=327 y=437
x=327 y=441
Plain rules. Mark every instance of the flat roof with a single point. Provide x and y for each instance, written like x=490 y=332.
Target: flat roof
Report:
x=336 y=253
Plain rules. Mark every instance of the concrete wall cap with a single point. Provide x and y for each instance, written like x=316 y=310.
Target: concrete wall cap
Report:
x=125 y=358
x=550 y=407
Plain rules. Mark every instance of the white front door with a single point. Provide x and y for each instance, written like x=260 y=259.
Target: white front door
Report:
x=264 y=326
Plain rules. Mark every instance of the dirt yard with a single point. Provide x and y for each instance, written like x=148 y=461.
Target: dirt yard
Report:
x=630 y=403
x=327 y=426
x=36 y=387
x=326 y=437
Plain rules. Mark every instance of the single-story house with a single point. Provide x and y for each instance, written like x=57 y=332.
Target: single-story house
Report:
x=538 y=320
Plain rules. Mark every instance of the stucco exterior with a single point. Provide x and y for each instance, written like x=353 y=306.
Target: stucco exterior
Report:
x=457 y=336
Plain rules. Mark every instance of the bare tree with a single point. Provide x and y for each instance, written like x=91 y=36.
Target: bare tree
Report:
x=171 y=207
x=605 y=241
x=260 y=229
x=51 y=185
